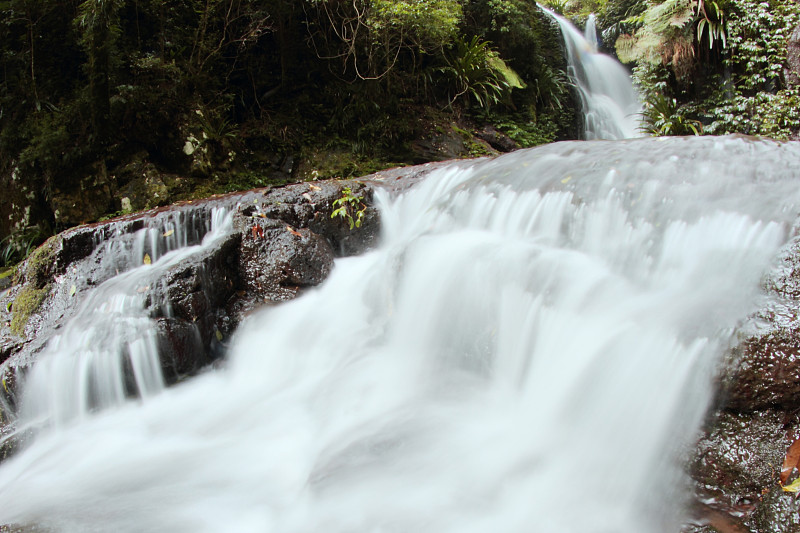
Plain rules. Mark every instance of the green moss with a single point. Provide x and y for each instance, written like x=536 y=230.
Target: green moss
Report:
x=336 y=162
x=38 y=268
x=25 y=304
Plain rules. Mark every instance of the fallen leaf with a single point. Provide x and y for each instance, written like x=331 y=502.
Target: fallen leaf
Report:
x=168 y=233
x=293 y=232
x=314 y=187
x=307 y=196
x=566 y=180
x=5 y=386
x=72 y=290
x=258 y=231
x=143 y=289
x=147 y=259
x=790 y=462
x=794 y=486
x=219 y=335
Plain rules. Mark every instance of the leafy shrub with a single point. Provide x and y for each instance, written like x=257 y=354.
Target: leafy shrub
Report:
x=349 y=207
x=477 y=73
x=662 y=116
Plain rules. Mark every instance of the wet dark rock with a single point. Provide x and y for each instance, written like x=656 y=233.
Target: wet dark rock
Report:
x=739 y=455
x=310 y=205
x=735 y=466
x=200 y=284
x=181 y=348
x=778 y=512
x=277 y=260
x=496 y=139
x=763 y=369
x=141 y=186
x=737 y=462
x=440 y=146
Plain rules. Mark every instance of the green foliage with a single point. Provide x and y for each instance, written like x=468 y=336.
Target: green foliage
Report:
x=429 y=24
x=772 y=115
x=371 y=37
x=558 y=6
x=17 y=246
x=349 y=207
x=526 y=133
x=755 y=100
x=88 y=86
x=720 y=62
x=662 y=116
x=758 y=34
x=476 y=73
x=529 y=43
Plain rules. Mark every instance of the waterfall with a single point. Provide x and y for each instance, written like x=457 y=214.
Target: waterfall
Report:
x=108 y=352
x=611 y=107
x=590 y=32
x=529 y=349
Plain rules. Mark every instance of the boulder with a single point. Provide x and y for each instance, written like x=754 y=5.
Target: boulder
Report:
x=276 y=260
x=496 y=139
x=737 y=460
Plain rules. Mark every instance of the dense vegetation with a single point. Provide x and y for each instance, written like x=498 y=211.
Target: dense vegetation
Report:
x=116 y=105
x=711 y=66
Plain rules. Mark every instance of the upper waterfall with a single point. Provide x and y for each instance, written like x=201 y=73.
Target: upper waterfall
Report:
x=535 y=332
x=611 y=106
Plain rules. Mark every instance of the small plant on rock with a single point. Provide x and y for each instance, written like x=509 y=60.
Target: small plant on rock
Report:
x=350 y=207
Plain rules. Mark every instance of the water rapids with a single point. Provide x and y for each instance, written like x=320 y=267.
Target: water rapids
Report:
x=529 y=349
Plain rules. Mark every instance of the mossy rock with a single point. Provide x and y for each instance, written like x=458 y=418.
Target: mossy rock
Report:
x=39 y=268
x=28 y=301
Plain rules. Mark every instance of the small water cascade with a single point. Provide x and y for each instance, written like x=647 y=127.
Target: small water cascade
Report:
x=611 y=107
x=528 y=349
x=590 y=32
x=108 y=353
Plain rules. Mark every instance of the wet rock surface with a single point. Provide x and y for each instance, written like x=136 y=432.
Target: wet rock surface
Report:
x=276 y=260
x=738 y=459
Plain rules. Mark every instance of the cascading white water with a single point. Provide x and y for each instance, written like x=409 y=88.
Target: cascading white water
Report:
x=84 y=367
x=611 y=107
x=590 y=32
x=526 y=351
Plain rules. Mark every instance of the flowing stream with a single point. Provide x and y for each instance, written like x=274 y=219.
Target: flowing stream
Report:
x=109 y=351
x=611 y=106
x=529 y=349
